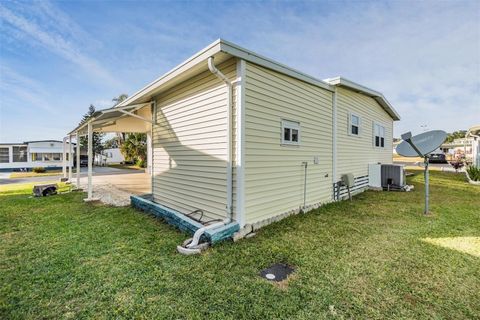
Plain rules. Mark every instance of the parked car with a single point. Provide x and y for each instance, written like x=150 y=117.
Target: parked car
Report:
x=437 y=156
x=83 y=161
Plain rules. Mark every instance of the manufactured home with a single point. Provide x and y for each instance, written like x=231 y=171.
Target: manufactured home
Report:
x=243 y=140
x=48 y=154
x=109 y=156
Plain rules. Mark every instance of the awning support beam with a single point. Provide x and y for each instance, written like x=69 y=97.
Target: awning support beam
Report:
x=131 y=114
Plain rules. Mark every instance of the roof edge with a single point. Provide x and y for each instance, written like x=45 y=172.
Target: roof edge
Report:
x=232 y=49
x=379 y=97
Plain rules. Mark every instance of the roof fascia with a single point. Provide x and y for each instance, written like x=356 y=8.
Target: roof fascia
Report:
x=200 y=56
x=379 y=97
x=253 y=57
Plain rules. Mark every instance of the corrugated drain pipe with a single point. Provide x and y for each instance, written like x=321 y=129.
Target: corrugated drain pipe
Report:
x=193 y=246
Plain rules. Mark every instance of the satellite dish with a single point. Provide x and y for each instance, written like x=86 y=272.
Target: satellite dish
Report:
x=425 y=143
x=421 y=146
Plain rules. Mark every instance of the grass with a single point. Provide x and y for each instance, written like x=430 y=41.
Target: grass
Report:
x=30 y=174
x=377 y=257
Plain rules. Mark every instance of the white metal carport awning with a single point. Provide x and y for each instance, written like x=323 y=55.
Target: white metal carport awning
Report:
x=130 y=118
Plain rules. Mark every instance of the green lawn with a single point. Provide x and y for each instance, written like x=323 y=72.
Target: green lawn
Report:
x=29 y=174
x=376 y=257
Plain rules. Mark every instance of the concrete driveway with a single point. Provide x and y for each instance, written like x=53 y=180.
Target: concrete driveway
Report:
x=130 y=180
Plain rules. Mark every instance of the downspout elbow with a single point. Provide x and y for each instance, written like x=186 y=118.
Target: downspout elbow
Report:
x=213 y=69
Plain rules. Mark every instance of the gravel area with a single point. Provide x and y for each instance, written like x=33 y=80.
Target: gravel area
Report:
x=109 y=194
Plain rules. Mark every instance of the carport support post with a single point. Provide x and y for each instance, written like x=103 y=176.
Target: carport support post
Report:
x=70 y=154
x=90 y=147
x=64 y=158
x=78 y=160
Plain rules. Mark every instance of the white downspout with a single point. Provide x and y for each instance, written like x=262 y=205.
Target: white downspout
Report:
x=78 y=160
x=334 y=139
x=228 y=219
x=221 y=76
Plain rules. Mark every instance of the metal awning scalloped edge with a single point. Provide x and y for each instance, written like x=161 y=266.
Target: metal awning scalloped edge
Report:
x=181 y=221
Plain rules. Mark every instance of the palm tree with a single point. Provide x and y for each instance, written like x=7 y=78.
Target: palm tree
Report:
x=122 y=97
x=134 y=148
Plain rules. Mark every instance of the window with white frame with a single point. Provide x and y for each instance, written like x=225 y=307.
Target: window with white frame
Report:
x=354 y=122
x=290 y=132
x=4 y=155
x=379 y=135
x=19 y=154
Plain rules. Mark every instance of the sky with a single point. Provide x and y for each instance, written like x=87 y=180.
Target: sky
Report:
x=57 y=58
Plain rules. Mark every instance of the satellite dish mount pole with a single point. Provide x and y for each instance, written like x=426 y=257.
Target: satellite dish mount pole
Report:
x=408 y=137
x=427 y=183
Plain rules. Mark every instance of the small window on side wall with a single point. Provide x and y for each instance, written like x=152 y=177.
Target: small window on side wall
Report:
x=354 y=123
x=378 y=135
x=290 y=132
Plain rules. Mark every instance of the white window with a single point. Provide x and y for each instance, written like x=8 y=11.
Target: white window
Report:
x=378 y=135
x=290 y=132
x=4 y=155
x=354 y=123
x=37 y=156
x=19 y=154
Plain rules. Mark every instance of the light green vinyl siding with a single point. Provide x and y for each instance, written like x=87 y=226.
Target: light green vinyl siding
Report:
x=190 y=144
x=355 y=153
x=274 y=175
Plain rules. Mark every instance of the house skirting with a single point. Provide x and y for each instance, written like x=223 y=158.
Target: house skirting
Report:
x=182 y=222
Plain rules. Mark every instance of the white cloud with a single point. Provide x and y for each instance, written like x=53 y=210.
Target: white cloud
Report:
x=53 y=40
x=26 y=92
x=425 y=57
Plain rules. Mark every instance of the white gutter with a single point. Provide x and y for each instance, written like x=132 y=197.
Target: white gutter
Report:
x=216 y=72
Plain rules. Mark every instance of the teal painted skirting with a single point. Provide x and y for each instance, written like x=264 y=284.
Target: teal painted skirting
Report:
x=182 y=222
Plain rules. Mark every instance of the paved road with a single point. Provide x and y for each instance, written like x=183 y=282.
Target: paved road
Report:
x=97 y=171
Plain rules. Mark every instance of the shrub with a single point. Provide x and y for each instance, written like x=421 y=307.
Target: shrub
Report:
x=39 y=170
x=140 y=163
x=474 y=173
x=457 y=164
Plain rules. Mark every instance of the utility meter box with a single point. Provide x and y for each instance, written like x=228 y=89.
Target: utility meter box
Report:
x=348 y=180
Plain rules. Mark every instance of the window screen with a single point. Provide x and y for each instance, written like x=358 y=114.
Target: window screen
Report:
x=19 y=154
x=4 y=155
x=379 y=134
x=291 y=132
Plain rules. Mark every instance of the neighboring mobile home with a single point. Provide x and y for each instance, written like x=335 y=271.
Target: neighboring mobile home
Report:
x=248 y=140
x=30 y=154
x=109 y=156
